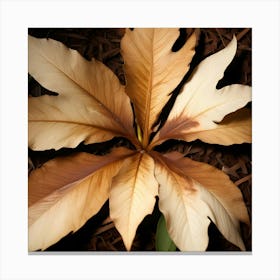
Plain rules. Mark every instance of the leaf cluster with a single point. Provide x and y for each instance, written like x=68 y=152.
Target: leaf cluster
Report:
x=92 y=106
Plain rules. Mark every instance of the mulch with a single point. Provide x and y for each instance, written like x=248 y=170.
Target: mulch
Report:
x=99 y=233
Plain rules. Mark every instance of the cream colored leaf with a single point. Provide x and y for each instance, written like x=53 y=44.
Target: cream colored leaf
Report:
x=65 y=192
x=200 y=105
x=187 y=201
x=132 y=196
x=235 y=128
x=91 y=105
x=215 y=181
x=153 y=70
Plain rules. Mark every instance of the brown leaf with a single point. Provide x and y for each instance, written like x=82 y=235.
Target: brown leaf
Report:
x=65 y=192
x=91 y=106
x=235 y=128
x=189 y=193
x=132 y=196
x=200 y=105
x=153 y=70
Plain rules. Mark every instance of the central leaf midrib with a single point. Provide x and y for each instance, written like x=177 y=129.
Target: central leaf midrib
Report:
x=133 y=193
x=149 y=95
x=75 y=123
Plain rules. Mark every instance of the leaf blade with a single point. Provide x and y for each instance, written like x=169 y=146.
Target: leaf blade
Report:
x=235 y=128
x=131 y=199
x=153 y=70
x=66 y=192
x=216 y=182
x=85 y=85
x=187 y=204
x=200 y=105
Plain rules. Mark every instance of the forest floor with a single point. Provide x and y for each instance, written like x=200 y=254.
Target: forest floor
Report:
x=99 y=233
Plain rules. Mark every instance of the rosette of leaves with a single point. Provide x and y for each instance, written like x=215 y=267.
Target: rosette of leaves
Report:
x=92 y=107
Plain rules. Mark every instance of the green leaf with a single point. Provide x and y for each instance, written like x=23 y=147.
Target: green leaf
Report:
x=163 y=240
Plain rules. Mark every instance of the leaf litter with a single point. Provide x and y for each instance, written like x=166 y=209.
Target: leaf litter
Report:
x=99 y=233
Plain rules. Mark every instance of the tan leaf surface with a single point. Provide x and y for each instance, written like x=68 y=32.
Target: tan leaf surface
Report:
x=91 y=105
x=132 y=196
x=65 y=192
x=187 y=201
x=153 y=70
x=200 y=105
x=235 y=128
x=215 y=181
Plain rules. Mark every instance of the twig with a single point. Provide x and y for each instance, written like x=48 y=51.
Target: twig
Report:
x=220 y=36
x=104 y=228
x=242 y=180
x=242 y=33
x=116 y=240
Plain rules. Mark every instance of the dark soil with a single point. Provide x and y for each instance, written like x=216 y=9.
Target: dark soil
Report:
x=99 y=233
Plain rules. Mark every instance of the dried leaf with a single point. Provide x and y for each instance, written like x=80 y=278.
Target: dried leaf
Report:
x=153 y=70
x=65 y=192
x=91 y=104
x=188 y=199
x=215 y=181
x=200 y=105
x=132 y=196
x=235 y=128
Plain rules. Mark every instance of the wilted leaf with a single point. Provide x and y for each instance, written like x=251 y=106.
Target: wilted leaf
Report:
x=200 y=105
x=153 y=70
x=235 y=128
x=65 y=192
x=91 y=106
x=187 y=204
x=132 y=196
x=215 y=181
